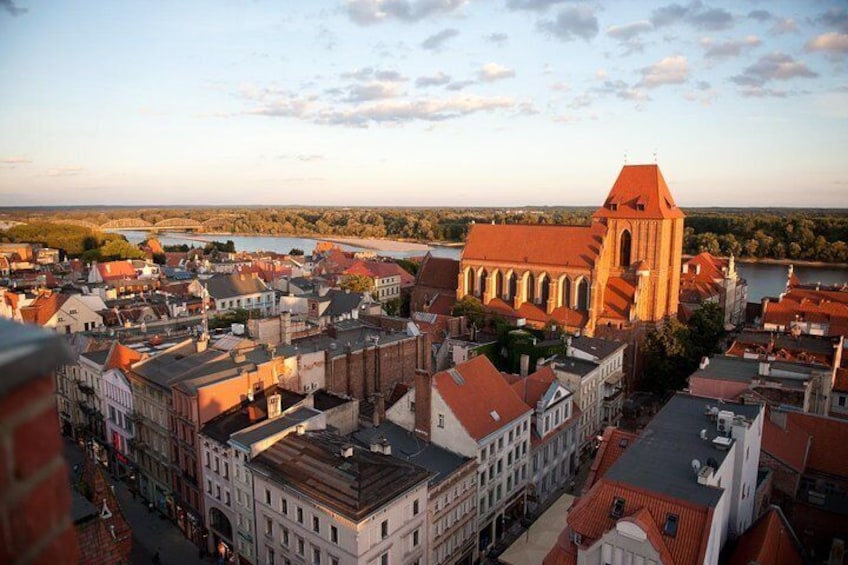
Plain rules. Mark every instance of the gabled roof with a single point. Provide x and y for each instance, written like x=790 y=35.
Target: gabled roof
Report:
x=438 y=272
x=591 y=518
x=810 y=305
x=121 y=357
x=613 y=444
x=769 y=541
x=114 y=270
x=104 y=537
x=230 y=286
x=40 y=310
x=790 y=445
x=829 y=448
x=571 y=246
x=463 y=387
x=639 y=191
x=531 y=389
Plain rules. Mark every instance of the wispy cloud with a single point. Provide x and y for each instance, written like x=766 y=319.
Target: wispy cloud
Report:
x=15 y=160
x=572 y=23
x=304 y=157
x=784 y=25
x=774 y=66
x=728 y=49
x=435 y=41
x=493 y=71
x=695 y=14
x=64 y=171
x=368 y=73
x=532 y=5
x=498 y=38
x=11 y=8
x=438 y=79
x=835 y=18
x=629 y=35
x=368 y=12
x=373 y=91
x=671 y=70
x=760 y=15
x=831 y=42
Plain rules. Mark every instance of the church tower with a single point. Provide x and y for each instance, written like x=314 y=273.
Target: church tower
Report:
x=645 y=236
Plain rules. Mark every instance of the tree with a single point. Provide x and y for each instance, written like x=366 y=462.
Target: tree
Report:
x=706 y=328
x=296 y=251
x=471 y=308
x=118 y=249
x=357 y=283
x=667 y=361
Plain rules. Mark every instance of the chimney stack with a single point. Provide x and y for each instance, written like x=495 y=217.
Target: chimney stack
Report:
x=379 y=409
x=524 y=364
x=423 y=392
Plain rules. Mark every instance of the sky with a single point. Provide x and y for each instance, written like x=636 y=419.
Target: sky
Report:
x=421 y=102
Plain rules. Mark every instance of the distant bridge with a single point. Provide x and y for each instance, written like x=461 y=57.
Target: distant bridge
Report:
x=170 y=224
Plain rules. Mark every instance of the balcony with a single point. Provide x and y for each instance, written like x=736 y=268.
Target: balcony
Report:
x=85 y=389
x=135 y=416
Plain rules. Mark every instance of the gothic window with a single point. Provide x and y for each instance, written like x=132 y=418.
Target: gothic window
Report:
x=483 y=279
x=566 y=292
x=513 y=285
x=469 y=281
x=624 y=249
x=531 y=288
x=497 y=282
x=583 y=295
x=544 y=289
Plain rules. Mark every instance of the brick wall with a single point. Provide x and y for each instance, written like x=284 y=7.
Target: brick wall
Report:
x=785 y=479
x=35 y=497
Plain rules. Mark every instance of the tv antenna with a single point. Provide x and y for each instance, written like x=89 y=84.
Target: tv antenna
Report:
x=655 y=155
x=625 y=157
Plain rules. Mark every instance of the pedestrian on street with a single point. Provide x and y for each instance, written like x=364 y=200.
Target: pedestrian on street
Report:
x=156 y=559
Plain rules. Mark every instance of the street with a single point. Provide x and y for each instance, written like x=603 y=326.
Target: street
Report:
x=151 y=531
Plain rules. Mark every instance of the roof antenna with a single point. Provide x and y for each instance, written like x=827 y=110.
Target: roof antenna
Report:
x=625 y=157
x=655 y=155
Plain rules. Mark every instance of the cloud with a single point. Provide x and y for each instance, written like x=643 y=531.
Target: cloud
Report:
x=531 y=5
x=671 y=70
x=498 y=39
x=15 y=160
x=493 y=71
x=304 y=157
x=760 y=15
x=368 y=12
x=621 y=89
x=560 y=86
x=368 y=74
x=835 y=18
x=460 y=84
x=64 y=171
x=372 y=91
x=760 y=92
x=437 y=79
x=784 y=25
x=389 y=76
x=12 y=8
x=628 y=35
x=571 y=23
x=695 y=14
x=397 y=112
x=831 y=42
x=774 y=66
x=727 y=49
x=436 y=40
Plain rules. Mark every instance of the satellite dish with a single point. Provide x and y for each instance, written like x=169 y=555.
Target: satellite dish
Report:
x=696 y=466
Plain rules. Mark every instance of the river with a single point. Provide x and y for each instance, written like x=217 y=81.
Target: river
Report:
x=763 y=279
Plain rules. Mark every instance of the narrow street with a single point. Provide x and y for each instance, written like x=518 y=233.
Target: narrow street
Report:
x=151 y=531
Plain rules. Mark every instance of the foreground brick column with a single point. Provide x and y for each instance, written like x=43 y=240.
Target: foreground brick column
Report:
x=35 y=497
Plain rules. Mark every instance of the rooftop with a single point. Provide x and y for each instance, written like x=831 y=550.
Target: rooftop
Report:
x=660 y=459
x=600 y=348
x=354 y=486
x=230 y=286
x=438 y=272
x=639 y=191
x=405 y=445
x=268 y=428
x=239 y=417
x=573 y=365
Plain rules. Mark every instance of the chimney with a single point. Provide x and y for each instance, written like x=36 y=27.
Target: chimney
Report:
x=778 y=418
x=252 y=413
x=524 y=363
x=381 y=445
x=423 y=392
x=379 y=409
x=697 y=268
x=274 y=406
x=765 y=369
x=346 y=450
x=705 y=362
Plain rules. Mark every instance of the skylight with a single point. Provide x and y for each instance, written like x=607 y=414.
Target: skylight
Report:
x=670 y=527
x=495 y=416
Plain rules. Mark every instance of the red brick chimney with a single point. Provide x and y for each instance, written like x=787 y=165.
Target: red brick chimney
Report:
x=423 y=401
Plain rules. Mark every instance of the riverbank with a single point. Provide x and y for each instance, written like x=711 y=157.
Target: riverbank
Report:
x=375 y=244
x=784 y=262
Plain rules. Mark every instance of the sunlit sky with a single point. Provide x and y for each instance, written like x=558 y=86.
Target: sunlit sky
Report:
x=421 y=102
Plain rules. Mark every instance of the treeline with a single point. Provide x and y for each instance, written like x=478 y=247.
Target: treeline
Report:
x=74 y=241
x=815 y=235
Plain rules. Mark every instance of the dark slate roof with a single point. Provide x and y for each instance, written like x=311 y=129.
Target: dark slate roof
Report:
x=660 y=459
x=354 y=486
x=99 y=357
x=406 y=446
x=600 y=348
x=274 y=426
x=221 y=427
x=342 y=302
x=574 y=365
x=358 y=337
x=738 y=369
x=183 y=363
x=81 y=508
x=28 y=352
x=812 y=343
x=230 y=286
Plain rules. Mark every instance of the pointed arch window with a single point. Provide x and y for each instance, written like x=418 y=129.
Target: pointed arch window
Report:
x=484 y=276
x=624 y=246
x=469 y=282
x=531 y=288
x=566 y=292
x=497 y=283
x=583 y=295
x=512 y=287
x=544 y=289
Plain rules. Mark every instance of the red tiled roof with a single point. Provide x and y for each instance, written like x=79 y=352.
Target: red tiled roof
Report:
x=840 y=383
x=639 y=185
x=121 y=357
x=613 y=444
x=710 y=268
x=572 y=246
x=767 y=542
x=442 y=304
x=480 y=380
x=564 y=552
x=619 y=296
x=531 y=389
x=154 y=245
x=40 y=310
x=648 y=524
x=437 y=272
x=96 y=540
x=810 y=305
x=789 y=446
x=829 y=448
x=590 y=517
x=562 y=315
x=114 y=270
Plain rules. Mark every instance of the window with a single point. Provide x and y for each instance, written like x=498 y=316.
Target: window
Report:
x=617 y=510
x=316 y=525
x=841 y=400
x=267 y=496
x=226 y=470
x=284 y=506
x=299 y=515
x=415 y=538
x=334 y=534
x=670 y=527
x=227 y=498
x=384 y=529
x=415 y=507
x=218 y=492
x=316 y=556
x=285 y=540
x=384 y=559
x=441 y=420
x=300 y=545
x=269 y=526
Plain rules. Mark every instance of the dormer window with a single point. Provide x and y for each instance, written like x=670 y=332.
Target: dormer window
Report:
x=617 y=510
x=613 y=206
x=640 y=207
x=670 y=527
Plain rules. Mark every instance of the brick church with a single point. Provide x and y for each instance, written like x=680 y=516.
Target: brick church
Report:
x=622 y=269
